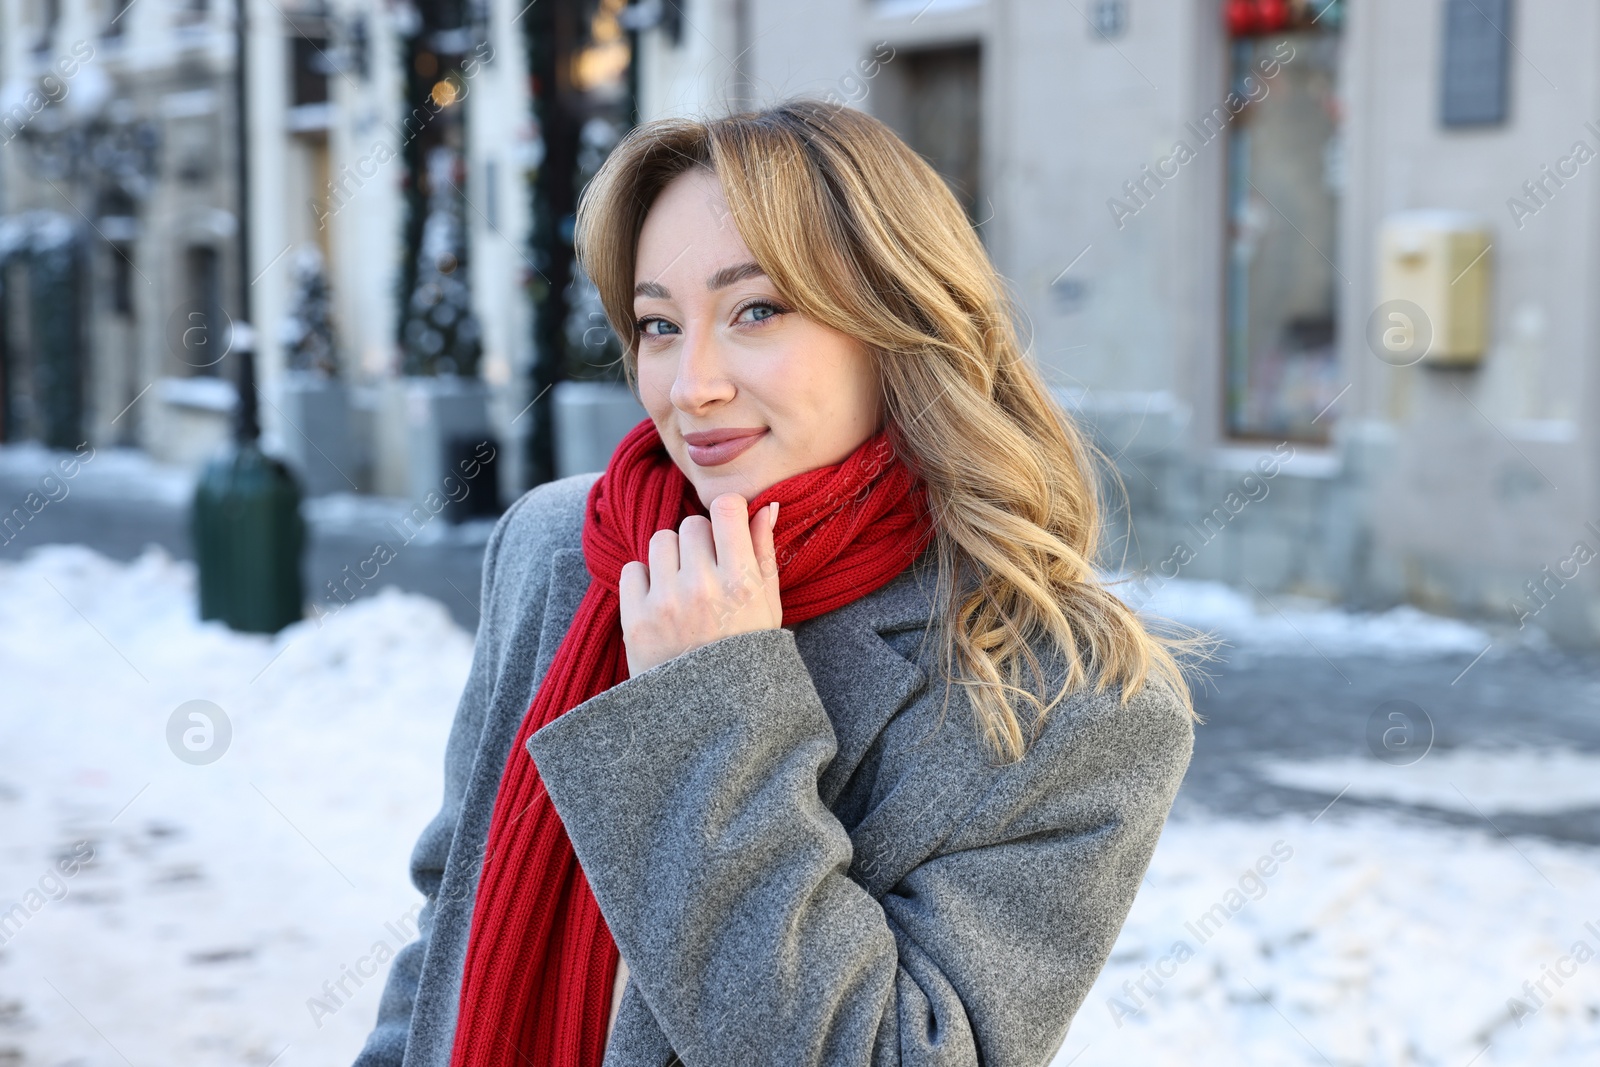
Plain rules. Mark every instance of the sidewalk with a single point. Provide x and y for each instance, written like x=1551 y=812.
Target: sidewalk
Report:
x=120 y=501
x=1307 y=904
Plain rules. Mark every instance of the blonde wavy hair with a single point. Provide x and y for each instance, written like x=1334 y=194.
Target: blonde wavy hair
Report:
x=863 y=236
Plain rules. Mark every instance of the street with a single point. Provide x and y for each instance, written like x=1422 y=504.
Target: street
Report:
x=1327 y=890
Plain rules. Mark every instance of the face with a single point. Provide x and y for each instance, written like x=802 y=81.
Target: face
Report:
x=723 y=355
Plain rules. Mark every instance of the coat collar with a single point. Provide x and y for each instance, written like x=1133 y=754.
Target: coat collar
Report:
x=860 y=679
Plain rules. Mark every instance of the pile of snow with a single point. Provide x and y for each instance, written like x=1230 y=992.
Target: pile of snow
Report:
x=1303 y=625
x=1528 y=781
x=103 y=473
x=222 y=899
x=242 y=911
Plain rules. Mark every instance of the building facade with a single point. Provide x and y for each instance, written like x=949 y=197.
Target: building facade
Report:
x=1314 y=271
x=1208 y=210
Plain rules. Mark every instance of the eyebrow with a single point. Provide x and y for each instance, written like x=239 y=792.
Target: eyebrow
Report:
x=720 y=280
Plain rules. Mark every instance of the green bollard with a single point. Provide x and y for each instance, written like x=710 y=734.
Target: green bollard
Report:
x=247 y=530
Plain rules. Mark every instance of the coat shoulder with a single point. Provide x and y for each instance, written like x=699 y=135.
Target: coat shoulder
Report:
x=547 y=517
x=1094 y=753
x=1098 y=757
x=541 y=522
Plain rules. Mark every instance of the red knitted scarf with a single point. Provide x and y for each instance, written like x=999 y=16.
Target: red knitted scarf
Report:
x=536 y=989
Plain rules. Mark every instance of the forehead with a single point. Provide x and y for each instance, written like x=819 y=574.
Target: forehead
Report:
x=688 y=231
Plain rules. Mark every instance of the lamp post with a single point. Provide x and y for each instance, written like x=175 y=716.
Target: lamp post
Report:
x=248 y=533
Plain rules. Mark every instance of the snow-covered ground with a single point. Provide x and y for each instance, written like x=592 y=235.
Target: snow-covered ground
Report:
x=221 y=896
x=227 y=902
x=129 y=474
x=1373 y=944
x=1526 y=781
x=1304 y=625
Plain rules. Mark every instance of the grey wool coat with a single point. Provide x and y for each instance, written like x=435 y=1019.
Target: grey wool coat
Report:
x=801 y=860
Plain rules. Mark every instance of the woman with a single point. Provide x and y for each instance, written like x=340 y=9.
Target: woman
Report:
x=704 y=802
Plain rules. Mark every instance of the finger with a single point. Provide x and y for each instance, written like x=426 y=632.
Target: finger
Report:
x=730 y=529
x=696 y=554
x=633 y=584
x=663 y=556
x=763 y=538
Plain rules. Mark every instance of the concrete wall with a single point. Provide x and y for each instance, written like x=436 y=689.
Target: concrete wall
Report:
x=1493 y=472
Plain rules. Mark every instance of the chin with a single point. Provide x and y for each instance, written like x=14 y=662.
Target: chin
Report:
x=710 y=486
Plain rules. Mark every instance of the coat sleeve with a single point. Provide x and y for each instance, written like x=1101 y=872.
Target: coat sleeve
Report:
x=386 y=1044
x=690 y=795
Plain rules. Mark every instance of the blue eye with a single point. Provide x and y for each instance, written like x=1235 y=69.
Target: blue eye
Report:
x=772 y=310
x=643 y=326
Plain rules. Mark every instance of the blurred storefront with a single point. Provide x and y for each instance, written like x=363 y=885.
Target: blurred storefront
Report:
x=413 y=168
x=1318 y=272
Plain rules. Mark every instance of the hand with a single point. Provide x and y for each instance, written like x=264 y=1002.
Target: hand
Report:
x=712 y=578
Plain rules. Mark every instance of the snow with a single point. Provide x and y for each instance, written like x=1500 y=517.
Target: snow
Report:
x=1472 y=781
x=128 y=474
x=108 y=474
x=1289 y=624
x=208 y=394
x=1375 y=943
x=224 y=897
x=221 y=896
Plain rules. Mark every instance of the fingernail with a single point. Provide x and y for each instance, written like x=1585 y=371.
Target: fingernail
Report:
x=774 y=513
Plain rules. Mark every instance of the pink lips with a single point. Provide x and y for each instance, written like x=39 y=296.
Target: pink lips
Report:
x=709 y=448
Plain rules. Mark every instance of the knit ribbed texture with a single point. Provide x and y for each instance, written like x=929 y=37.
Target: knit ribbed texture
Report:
x=540 y=965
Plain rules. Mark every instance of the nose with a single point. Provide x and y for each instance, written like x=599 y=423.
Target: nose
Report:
x=700 y=381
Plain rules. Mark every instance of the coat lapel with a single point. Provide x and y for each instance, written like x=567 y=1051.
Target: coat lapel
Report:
x=569 y=580
x=860 y=679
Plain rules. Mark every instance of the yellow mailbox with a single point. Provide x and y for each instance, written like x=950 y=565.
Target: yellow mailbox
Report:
x=1439 y=261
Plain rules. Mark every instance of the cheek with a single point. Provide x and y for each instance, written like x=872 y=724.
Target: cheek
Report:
x=655 y=376
x=845 y=384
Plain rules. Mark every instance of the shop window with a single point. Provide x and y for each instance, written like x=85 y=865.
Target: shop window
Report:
x=1283 y=283
x=308 y=82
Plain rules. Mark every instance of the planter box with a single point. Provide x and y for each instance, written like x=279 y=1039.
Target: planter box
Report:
x=317 y=442
x=450 y=446
x=591 y=418
x=196 y=420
